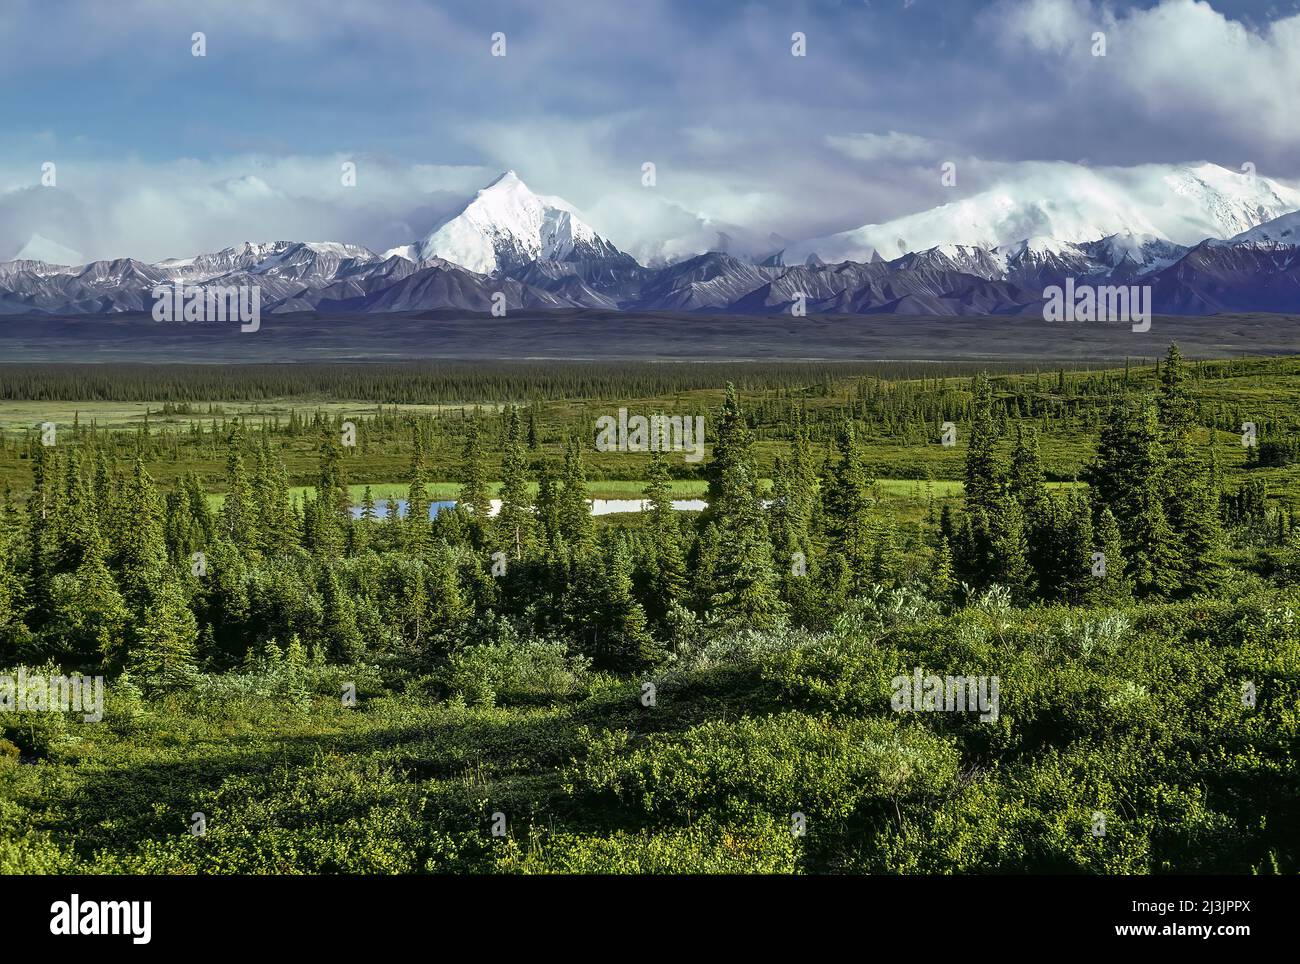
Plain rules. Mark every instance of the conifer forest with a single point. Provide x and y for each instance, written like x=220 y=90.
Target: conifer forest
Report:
x=896 y=618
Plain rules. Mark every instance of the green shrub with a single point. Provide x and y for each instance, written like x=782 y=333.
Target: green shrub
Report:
x=761 y=848
x=769 y=768
x=334 y=816
x=535 y=670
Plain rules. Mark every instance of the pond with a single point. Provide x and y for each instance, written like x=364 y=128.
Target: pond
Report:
x=598 y=506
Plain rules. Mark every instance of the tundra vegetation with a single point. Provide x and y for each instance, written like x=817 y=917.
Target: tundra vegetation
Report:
x=299 y=685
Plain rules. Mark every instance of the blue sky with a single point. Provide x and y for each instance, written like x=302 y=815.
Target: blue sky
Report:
x=160 y=153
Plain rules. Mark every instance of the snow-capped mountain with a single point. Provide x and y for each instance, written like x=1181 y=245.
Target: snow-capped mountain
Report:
x=1029 y=260
x=506 y=225
x=1133 y=254
x=1076 y=204
x=540 y=256
x=40 y=248
x=964 y=258
x=1214 y=278
x=1283 y=230
x=291 y=259
x=1041 y=260
x=237 y=258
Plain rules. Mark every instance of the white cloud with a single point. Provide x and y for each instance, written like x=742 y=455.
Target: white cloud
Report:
x=893 y=145
x=155 y=210
x=747 y=139
x=1180 y=63
x=1051 y=26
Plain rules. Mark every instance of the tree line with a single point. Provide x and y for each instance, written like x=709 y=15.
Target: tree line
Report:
x=99 y=567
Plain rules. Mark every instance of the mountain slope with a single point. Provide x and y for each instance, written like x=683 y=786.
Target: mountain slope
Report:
x=1283 y=230
x=539 y=255
x=1068 y=202
x=1249 y=276
x=40 y=248
x=505 y=226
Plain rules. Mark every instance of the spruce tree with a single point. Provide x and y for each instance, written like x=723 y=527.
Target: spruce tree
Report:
x=1193 y=511
x=338 y=620
x=1113 y=586
x=548 y=503
x=102 y=483
x=573 y=509
x=794 y=515
x=178 y=527
x=1175 y=402
x=847 y=504
x=334 y=515
x=515 y=523
x=626 y=642
x=163 y=638
x=198 y=509
x=1025 y=480
x=238 y=511
x=42 y=506
x=1010 y=548
x=1127 y=476
x=1190 y=495
x=417 y=498
x=794 y=496
x=274 y=515
x=1075 y=580
x=983 y=480
x=407 y=596
x=741 y=583
x=942 y=579
x=474 y=497
x=141 y=555
x=448 y=607
x=10 y=585
x=668 y=582
x=533 y=443
x=75 y=524
x=364 y=529
x=101 y=614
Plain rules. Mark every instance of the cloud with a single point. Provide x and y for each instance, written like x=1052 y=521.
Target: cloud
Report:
x=892 y=145
x=1178 y=66
x=155 y=210
x=164 y=154
x=1050 y=26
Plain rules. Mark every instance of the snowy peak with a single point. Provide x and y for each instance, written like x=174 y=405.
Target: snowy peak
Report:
x=968 y=259
x=990 y=253
x=1230 y=202
x=296 y=260
x=1283 y=230
x=1075 y=204
x=313 y=259
x=1032 y=262
x=236 y=258
x=1134 y=252
x=505 y=226
x=1039 y=248
x=42 y=249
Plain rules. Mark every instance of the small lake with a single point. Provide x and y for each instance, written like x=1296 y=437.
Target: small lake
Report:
x=598 y=506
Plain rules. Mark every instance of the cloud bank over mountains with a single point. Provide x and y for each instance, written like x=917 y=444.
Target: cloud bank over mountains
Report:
x=752 y=146
x=508 y=248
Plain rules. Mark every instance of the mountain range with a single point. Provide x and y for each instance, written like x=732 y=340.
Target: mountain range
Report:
x=538 y=253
